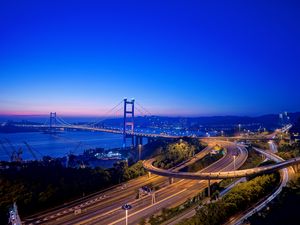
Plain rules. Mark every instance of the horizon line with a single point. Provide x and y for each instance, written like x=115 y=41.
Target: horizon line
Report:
x=153 y=115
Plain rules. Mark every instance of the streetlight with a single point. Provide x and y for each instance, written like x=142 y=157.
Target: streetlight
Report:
x=234 y=162
x=126 y=207
x=140 y=149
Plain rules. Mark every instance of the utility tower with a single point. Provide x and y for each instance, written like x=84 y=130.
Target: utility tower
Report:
x=128 y=120
x=52 y=120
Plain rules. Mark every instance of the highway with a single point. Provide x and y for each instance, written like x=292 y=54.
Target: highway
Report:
x=126 y=191
x=107 y=210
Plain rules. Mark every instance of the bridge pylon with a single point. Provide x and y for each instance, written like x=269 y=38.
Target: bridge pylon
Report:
x=53 y=120
x=128 y=120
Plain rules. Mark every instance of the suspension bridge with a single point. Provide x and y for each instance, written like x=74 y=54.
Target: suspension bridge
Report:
x=126 y=110
x=127 y=130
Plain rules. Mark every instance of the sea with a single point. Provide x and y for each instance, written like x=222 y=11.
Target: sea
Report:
x=58 y=144
x=61 y=143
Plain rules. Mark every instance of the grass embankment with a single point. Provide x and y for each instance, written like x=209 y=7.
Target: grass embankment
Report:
x=205 y=161
x=262 y=144
x=254 y=159
x=287 y=150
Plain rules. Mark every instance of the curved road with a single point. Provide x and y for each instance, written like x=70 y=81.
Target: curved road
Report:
x=238 y=219
x=148 y=165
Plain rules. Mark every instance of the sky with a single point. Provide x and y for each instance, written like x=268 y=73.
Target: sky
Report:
x=187 y=58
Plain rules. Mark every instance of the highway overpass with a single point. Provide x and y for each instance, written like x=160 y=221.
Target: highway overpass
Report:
x=148 y=165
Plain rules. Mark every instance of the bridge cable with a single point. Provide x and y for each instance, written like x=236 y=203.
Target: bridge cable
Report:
x=145 y=110
x=107 y=114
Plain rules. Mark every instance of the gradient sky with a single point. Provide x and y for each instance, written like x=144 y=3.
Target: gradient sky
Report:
x=175 y=57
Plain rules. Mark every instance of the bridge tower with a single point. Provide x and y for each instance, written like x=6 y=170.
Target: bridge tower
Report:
x=128 y=120
x=52 y=120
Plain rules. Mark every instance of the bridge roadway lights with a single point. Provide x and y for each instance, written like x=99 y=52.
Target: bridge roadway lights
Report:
x=149 y=174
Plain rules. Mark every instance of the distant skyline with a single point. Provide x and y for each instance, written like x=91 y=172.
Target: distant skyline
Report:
x=176 y=58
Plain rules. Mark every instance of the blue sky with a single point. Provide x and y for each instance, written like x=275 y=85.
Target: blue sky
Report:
x=174 y=57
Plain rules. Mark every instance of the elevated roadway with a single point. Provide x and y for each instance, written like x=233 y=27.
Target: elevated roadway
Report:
x=148 y=165
x=113 y=131
x=149 y=135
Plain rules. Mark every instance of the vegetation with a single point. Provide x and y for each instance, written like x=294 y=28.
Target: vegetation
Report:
x=263 y=144
x=288 y=151
x=225 y=183
x=253 y=160
x=154 y=148
x=177 y=152
x=204 y=162
x=287 y=204
x=35 y=186
x=238 y=199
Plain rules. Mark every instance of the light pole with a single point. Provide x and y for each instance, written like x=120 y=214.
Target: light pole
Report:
x=234 y=162
x=140 y=149
x=126 y=207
